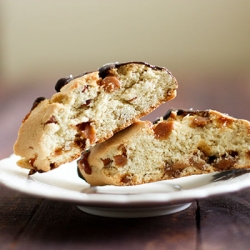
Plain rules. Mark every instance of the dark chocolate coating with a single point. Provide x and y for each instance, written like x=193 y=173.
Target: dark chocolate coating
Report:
x=80 y=174
x=184 y=112
x=63 y=81
x=103 y=72
x=37 y=101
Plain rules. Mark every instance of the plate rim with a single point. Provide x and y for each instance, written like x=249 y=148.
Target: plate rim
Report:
x=113 y=200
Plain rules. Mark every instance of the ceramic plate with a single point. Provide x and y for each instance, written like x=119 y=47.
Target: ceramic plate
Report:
x=145 y=200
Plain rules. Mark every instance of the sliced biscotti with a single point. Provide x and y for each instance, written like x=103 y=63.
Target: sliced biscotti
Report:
x=182 y=143
x=89 y=109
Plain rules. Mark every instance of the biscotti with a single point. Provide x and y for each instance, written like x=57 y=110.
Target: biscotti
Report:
x=183 y=143
x=89 y=109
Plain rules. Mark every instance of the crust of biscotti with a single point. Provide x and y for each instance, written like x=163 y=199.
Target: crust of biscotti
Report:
x=198 y=142
x=86 y=112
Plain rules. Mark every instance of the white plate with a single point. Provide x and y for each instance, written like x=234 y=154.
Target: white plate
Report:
x=145 y=200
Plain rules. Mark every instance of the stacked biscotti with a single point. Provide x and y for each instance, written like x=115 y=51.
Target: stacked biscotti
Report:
x=96 y=116
x=88 y=109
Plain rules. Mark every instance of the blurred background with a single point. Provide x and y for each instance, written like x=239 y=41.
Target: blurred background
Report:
x=205 y=44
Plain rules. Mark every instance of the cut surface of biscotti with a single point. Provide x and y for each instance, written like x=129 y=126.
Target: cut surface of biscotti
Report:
x=89 y=109
x=182 y=143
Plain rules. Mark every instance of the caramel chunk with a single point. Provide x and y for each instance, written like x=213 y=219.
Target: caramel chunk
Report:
x=200 y=121
x=225 y=121
x=87 y=131
x=173 y=170
x=120 y=160
x=110 y=83
x=80 y=142
x=106 y=161
x=163 y=130
x=58 y=151
x=84 y=164
x=197 y=164
x=126 y=179
x=248 y=154
x=225 y=164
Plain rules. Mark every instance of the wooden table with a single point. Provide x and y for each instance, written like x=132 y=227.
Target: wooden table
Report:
x=221 y=222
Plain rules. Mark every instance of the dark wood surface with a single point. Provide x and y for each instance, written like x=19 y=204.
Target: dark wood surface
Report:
x=221 y=222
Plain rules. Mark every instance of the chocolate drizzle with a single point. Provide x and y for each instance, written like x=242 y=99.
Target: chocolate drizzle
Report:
x=103 y=72
x=80 y=174
x=64 y=81
x=184 y=112
x=37 y=101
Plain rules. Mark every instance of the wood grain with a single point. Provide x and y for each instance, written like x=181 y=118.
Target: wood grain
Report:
x=225 y=222
x=63 y=226
x=31 y=223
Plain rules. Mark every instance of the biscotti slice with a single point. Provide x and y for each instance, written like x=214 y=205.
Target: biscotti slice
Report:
x=182 y=143
x=89 y=109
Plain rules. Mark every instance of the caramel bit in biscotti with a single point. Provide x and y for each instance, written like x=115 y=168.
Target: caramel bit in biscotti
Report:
x=200 y=164
x=126 y=179
x=170 y=171
x=248 y=154
x=226 y=161
x=106 y=161
x=225 y=164
x=120 y=160
x=84 y=164
x=110 y=83
x=163 y=130
x=200 y=121
x=173 y=170
x=87 y=131
x=58 y=151
x=225 y=121
x=80 y=142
